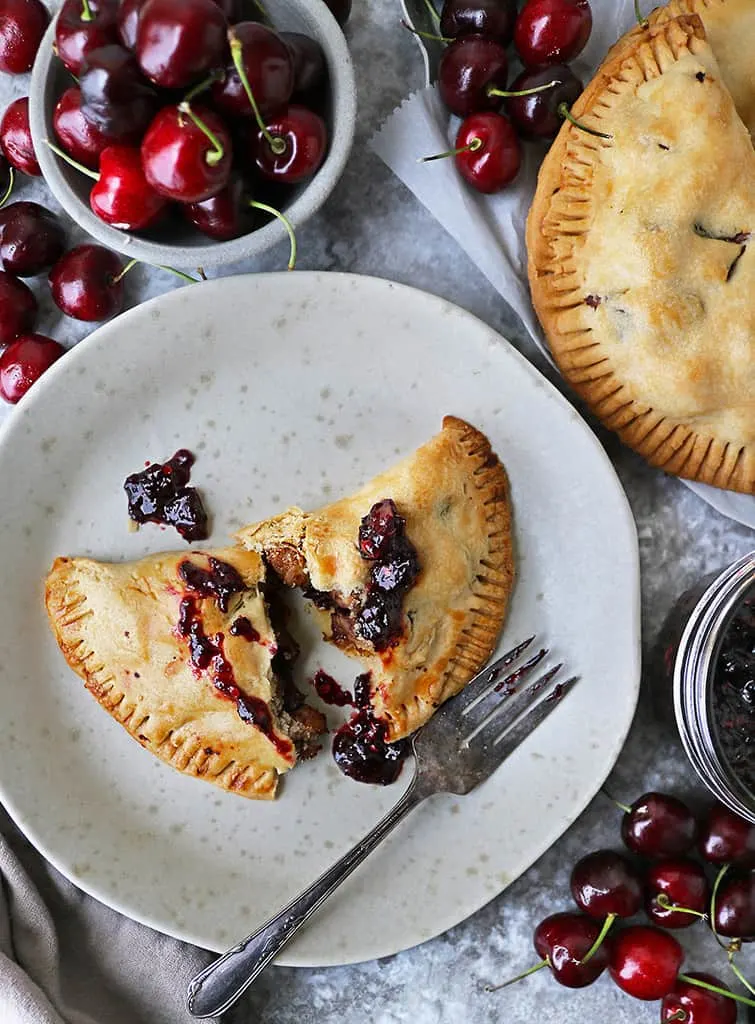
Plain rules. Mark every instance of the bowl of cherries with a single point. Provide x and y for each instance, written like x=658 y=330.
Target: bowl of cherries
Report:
x=192 y=132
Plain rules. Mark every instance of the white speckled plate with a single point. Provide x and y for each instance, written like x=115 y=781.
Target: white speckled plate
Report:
x=293 y=388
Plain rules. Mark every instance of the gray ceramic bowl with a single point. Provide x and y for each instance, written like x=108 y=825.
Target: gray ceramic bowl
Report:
x=175 y=244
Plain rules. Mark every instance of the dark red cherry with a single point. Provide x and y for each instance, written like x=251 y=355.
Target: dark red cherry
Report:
x=537 y=116
x=300 y=139
x=23 y=362
x=83 y=26
x=679 y=882
x=563 y=940
x=735 y=907
x=493 y=19
x=128 y=20
x=114 y=95
x=123 y=197
x=224 y=215
x=690 y=1004
x=85 y=283
x=18 y=308
x=81 y=139
x=310 y=68
x=658 y=825
x=22 y=25
x=269 y=67
x=494 y=156
x=469 y=67
x=341 y=10
x=180 y=161
x=15 y=138
x=552 y=31
x=606 y=883
x=180 y=41
x=725 y=838
x=31 y=238
x=644 y=961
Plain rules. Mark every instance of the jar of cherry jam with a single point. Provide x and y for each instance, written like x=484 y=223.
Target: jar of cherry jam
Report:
x=709 y=654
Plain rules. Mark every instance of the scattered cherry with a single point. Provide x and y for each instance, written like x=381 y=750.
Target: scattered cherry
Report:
x=690 y=1004
x=552 y=31
x=488 y=152
x=341 y=10
x=15 y=138
x=224 y=215
x=467 y=70
x=734 y=914
x=122 y=196
x=31 y=238
x=657 y=825
x=299 y=141
x=77 y=135
x=493 y=19
x=178 y=41
x=725 y=838
x=563 y=940
x=128 y=20
x=18 y=308
x=309 y=62
x=606 y=884
x=83 y=26
x=680 y=882
x=114 y=96
x=23 y=362
x=269 y=67
x=536 y=116
x=644 y=961
x=22 y=25
x=187 y=153
x=87 y=283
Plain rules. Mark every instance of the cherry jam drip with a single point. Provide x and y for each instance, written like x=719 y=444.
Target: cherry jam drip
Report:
x=242 y=627
x=329 y=691
x=733 y=695
x=361 y=748
x=221 y=581
x=383 y=540
x=161 y=494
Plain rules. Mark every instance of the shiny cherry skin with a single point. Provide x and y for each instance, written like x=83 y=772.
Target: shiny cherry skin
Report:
x=22 y=25
x=123 y=197
x=179 y=159
x=604 y=883
x=80 y=30
x=469 y=67
x=689 y=1004
x=23 y=362
x=84 y=283
x=180 y=41
x=224 y=215
x=644 y=961
x=31 y=239
x=683 y=883
x=496 y=154
x=552 y=31
x=310 y=69
x=18 y=308
x=725 y=838
x=562 y=940
x=114 y=95
x=269 y=67
x=658 y=825
x=735 y=907
x=537 y=116
x=15 y=138
x=128 y=21
x=494 y=19
x=341 y=10
x=81 y=139
x=304 y=139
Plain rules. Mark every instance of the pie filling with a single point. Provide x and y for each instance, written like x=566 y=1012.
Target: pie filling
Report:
x=161 y=494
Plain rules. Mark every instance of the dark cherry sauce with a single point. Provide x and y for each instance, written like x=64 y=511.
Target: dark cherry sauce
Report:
x=361 y=748
x=329 y=691
x=221 y=581
x=733 y=695
x=242 y=627
x=161 y=494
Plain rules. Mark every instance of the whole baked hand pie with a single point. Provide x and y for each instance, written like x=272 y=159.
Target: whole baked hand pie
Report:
x=411 y=575
x=641 y=259
x=181 y=650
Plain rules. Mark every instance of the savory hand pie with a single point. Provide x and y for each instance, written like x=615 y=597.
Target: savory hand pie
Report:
x=181 y=650
x=640 y=262
x=412 y=574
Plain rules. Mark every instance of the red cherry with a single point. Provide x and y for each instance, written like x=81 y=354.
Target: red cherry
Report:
x=493 y=19
x=735 y=907
x=300 y=139
x=552 y=31
x=563 y=940
x=468 y=69
x=114 y=95
x=689 y=1004
x=15 y=138
x=18 y=308
x=178 y=41
x=83 y=26
x=123 y=197
x=222 y=216
x=79 y=137
x=725 y=838
x=22 y=25
x=180 y=161
x=310 y=68
x=23 y=362
x=537 y=116
x=494 y=156
x=657 y=825
x=678 y=881
x=605 y=883
x=269 y=68
x=85 y=283
x=128 y=21
x=31 y=238
x=644 y=961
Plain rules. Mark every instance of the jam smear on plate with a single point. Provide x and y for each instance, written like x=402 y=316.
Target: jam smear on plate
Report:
x=733 y=694
x=329 y=691
x=361 y=748
x=161 y=494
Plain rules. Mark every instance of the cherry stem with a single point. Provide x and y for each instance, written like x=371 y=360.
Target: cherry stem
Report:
x=471 y=147
x=262 y=9
x=213 y=158
x=425 y=35
x=679 y=1014
x=202 y=275
x=202 y=86
x=643 y=22
x=738 y=974
x=519 y=977
x=286 y=224
x=715 y=988
x=69 y=160
x=433 y=13
x=607 y=924
x=565 y=112
x=622 y=807
x=716 y=886
x=492 y=91
x=9 y=189
x=665 y=904
x=119 y=277
x=277 y=145
x=86 y=11
x=178 y=273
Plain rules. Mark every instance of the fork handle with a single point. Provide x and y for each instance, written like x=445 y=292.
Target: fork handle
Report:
x=218 y=986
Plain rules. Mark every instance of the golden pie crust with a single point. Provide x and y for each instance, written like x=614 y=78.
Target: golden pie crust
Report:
x=453 y=493
x=639 y=262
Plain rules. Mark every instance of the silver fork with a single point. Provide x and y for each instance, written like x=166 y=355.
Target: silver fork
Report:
x=462 y=744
